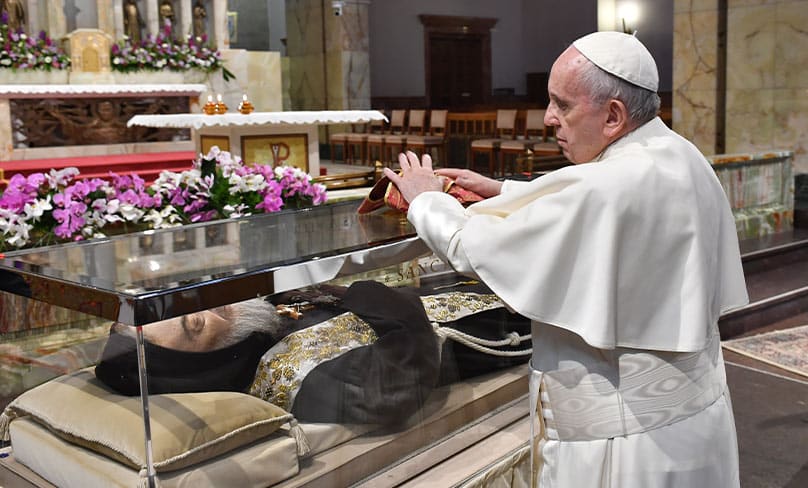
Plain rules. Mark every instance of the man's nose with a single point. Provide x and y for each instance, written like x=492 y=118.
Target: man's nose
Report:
x=549 y=116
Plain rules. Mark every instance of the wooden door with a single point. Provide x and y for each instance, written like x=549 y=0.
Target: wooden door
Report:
x=456 y=74
x=457 y=61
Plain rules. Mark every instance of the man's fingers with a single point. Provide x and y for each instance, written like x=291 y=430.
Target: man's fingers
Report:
x=403 y=162
x=450 y=172
x=412 y=160
x=426 y=161
x=395 y=178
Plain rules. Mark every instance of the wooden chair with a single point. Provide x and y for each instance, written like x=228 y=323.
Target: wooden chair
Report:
x=340 y=139
x=435 y=139
x=505 y=130
x=534 y=134
x=356 y=143
x=396 y=143
x=376 y=143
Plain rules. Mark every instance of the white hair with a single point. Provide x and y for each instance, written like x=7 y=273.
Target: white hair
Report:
x=254 y=315
x=642 y=104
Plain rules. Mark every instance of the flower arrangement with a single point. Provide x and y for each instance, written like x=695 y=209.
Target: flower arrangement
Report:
x=163 y=52
x=155 y=53
x=43 y=209
x=20 y=51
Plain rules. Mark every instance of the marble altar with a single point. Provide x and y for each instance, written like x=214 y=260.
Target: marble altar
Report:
x=9 y=93
x=277 y=138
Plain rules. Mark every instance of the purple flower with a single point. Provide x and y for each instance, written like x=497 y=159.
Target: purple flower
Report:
x=204 y=216
x=70 y=218
x=270 y=203
x=195 y=206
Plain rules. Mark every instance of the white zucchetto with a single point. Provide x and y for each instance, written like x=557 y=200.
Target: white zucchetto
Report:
x=622 y=55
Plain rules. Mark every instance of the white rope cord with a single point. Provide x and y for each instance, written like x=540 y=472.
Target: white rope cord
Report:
x=484 y=345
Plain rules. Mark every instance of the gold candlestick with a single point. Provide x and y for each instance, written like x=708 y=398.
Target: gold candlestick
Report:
x=245 y=106
x=220 y=105
x=210 y=107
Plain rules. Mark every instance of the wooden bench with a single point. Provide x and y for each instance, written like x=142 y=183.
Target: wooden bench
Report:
x=343 y=181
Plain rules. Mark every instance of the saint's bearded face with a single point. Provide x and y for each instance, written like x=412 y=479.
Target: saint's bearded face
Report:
x=194 y=332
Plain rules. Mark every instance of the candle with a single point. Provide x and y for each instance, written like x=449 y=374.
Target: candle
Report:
x=210 y=107
x=245 y=106
x=219 y=98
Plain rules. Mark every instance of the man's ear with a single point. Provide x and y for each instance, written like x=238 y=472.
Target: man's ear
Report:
x=617 y=120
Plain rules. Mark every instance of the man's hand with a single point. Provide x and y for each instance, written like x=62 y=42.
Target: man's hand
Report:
x=416 y=176
x=479 y=184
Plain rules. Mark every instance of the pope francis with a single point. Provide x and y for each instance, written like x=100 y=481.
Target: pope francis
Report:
x=623 y=262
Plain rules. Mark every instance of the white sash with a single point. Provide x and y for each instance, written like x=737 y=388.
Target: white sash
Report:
x=652 y=390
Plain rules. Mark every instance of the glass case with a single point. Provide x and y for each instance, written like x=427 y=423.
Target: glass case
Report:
x=468 y=358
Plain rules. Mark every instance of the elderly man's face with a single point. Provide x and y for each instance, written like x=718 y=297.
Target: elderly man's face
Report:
x=195 y=332
x=579 y=123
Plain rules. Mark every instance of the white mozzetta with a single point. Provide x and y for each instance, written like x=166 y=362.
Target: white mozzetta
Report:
x=198 y=121
x=33 y=91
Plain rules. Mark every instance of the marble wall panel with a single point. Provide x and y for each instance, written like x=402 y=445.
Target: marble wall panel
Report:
x=6 y=135
x=694 y=117
x=285 y=80
x=695 y=50
x=791 y=122
x=750 y=120
x=746 y=3
x=766 y=78
x=694 y=5
x=349 y=31
x=306 y=82
x=791 y=46
x=750 y=47
x=694 y=74
x=347 y=67
x=303 y=27
x=264 y=86
x=352 y=92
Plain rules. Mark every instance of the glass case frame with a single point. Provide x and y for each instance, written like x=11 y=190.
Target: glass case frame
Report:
x=124 y=279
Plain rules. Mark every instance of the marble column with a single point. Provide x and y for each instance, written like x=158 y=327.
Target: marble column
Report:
x=151 y=16
x=117 y=19
x=52 y=18
x=106 y=17
x=695 y=83
x=35 y=17
x=328 y=55
x=220 y=38
x=185 y=19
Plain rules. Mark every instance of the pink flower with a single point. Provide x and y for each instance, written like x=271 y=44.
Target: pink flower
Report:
x=270 y=203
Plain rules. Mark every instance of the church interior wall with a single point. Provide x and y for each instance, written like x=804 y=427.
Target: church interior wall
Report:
x=527 y=38
x=760 y=103
x=253 y=24
x=397 y=43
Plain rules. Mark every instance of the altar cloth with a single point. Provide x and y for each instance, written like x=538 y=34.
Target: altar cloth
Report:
x=66 y=91
x=302 y=117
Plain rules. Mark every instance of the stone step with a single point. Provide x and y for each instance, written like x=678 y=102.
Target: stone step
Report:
x=776 y=269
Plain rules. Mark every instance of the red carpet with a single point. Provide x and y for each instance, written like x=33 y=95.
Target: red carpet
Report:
x=147 y=165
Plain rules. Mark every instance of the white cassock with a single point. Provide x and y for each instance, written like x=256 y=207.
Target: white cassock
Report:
x=624 y=265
